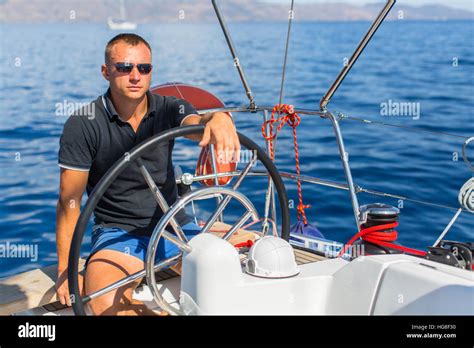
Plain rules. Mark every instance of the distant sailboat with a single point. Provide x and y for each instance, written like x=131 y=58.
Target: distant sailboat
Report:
x=122 y=23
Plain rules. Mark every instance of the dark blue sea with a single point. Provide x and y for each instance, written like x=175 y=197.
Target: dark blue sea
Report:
x=429 y=63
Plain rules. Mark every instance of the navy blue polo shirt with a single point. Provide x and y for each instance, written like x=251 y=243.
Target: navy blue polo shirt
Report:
x=94 y=142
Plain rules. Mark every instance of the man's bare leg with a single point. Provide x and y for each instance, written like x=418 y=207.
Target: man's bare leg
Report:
x=106 y=267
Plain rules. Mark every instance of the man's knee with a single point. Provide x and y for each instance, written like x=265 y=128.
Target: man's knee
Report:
x=112 y=303
x=102 y=305
x=107 y=267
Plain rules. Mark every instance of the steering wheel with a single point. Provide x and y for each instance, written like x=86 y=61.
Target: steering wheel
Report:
x=178 y=238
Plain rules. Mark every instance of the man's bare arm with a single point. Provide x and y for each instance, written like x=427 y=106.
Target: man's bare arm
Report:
x=72 y=187
x=220 y=130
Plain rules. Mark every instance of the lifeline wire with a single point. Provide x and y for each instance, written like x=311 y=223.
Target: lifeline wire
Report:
x=410 y=128
x=403 y=198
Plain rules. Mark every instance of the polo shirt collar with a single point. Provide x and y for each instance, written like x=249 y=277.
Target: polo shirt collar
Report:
x=112 y=112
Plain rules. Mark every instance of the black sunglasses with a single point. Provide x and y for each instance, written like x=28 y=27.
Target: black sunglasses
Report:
x=127 y=68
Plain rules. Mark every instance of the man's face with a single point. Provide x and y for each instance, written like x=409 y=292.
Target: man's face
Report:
x=131 y=85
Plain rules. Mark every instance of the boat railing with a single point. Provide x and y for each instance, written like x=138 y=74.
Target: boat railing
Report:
x=335 y=118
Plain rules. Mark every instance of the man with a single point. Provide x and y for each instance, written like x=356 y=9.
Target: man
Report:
x=125 y=116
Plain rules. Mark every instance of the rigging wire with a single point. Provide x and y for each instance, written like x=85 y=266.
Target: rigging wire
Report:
x=417 y=130
x=410 y=128
x=291 y=15
x=285 y=61
x=326 y=99
x=282 y=86
x=403 y=198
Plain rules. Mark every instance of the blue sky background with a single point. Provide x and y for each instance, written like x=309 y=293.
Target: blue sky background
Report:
x=463 y=4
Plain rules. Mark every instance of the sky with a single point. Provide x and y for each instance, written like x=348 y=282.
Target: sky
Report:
x=462 y=4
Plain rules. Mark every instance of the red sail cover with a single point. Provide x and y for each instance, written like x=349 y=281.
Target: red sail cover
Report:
x=201 y=100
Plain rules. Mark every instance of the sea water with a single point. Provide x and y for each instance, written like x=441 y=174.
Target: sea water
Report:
x=426 y=67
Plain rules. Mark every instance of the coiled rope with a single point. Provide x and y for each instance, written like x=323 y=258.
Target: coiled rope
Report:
x=383 y=235
x=466 y=195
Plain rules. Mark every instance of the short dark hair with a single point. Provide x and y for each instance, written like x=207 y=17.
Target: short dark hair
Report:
x=129 y=38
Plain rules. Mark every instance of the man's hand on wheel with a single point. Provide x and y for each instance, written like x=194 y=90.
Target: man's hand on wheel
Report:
x=220 y=130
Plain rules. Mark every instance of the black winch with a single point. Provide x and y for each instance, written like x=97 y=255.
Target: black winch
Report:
x=378 y=214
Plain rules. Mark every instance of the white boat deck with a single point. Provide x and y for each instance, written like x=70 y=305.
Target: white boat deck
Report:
x=33 y=292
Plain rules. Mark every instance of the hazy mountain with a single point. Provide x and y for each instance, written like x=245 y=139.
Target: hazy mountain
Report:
x=146 y=11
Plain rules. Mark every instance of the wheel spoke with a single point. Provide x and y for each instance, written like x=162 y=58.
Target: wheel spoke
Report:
x=243 y=219
x=216 y=178
x=176 y=241
x=127 y=280
x=160 y=231
x=226 y=200
x=245 y=172
x=268 y=197
x=269 y=205
x=160 y=199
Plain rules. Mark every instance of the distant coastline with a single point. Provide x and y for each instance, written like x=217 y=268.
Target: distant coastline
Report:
x=149 y=11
